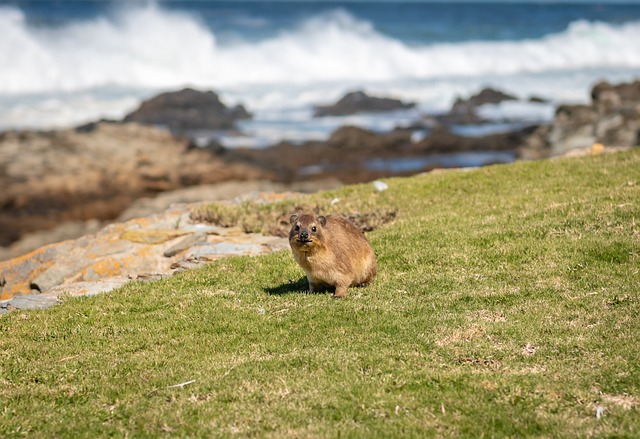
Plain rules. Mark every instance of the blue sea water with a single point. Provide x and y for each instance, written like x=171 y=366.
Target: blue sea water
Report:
x=68 y=62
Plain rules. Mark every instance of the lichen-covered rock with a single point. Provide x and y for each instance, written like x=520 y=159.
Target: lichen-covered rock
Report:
x=159 y=244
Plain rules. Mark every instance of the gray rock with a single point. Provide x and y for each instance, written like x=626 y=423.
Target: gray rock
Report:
x=31 y=302
x=57 y=273
x=185 y=243
x=89 y=288
x=612 y=119
x=573 y=127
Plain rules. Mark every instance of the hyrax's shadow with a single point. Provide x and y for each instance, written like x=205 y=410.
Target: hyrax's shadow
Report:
x=299 y=286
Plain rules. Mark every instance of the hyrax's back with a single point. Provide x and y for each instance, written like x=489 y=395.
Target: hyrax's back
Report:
x=346 y=239
x=333 y=252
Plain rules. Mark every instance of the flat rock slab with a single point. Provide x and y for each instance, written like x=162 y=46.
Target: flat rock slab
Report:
x=89 y=288
x=30 y=301
x=226 y=248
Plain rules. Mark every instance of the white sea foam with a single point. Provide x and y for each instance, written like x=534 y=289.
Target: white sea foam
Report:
x=134 y=47
x=139 y=50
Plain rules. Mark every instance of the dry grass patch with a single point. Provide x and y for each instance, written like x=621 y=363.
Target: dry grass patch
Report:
x=273 y=218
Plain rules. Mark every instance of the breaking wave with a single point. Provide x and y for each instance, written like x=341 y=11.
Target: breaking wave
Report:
x=150 y=47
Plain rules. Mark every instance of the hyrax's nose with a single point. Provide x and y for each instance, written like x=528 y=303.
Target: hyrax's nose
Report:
x=304 y=235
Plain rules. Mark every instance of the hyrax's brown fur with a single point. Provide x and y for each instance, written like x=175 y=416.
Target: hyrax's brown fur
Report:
x=332 y=252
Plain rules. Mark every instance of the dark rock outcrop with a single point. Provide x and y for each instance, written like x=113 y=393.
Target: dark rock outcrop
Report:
x=53 y=177
x=359 y=102
x=350 y=140
x=346 y=154
x=464 y=111
x=442 y=141
x=486 y=96
x=188 y=109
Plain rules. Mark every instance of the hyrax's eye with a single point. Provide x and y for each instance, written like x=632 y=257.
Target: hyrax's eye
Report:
x=313 y=229
x=296 y=228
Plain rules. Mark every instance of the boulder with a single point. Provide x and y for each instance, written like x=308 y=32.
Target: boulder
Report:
x=612 y=119
x=621 y=94
x=359 y=102
x=618 y=108
x=573 y=127
x=536 y=146
x=188 y=109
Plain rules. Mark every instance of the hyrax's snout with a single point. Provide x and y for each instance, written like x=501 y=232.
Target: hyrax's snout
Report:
x=304 y=235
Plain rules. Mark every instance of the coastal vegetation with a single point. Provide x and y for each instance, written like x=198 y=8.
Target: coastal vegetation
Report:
x=506 y=304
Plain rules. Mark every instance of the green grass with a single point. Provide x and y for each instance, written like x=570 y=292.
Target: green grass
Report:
x=506 y=305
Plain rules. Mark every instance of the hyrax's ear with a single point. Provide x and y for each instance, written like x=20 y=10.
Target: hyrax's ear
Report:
x=293 y=219
x=322 y=220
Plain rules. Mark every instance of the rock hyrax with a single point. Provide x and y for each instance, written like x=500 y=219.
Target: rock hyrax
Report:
x=332 y=251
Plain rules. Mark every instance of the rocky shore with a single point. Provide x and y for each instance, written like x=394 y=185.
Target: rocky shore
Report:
x=63 y=184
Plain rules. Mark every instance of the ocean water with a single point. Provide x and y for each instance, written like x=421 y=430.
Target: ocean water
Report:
x=64 y=63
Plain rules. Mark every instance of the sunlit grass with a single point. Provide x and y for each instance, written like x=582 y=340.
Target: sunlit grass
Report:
x=507 y=304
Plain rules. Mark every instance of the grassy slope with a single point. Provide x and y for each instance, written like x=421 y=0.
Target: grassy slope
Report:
x=507 y=304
